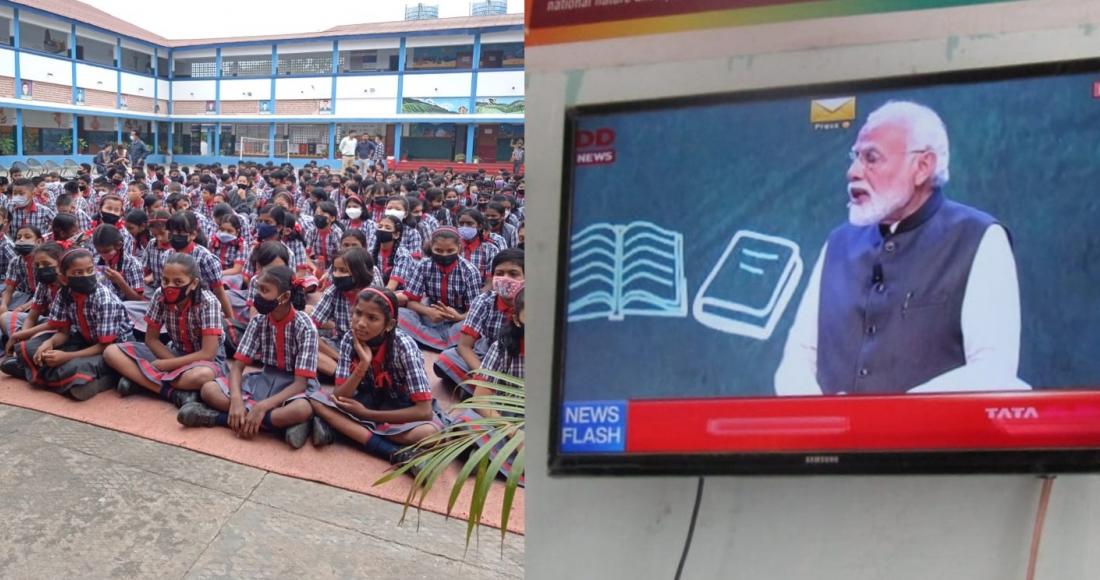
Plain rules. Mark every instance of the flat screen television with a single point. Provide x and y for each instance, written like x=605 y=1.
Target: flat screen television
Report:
x=897 y=275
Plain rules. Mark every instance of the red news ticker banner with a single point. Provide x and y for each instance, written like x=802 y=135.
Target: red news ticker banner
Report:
x=1019 y=420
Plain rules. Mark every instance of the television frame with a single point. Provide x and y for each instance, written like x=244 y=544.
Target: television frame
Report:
x=940 y=461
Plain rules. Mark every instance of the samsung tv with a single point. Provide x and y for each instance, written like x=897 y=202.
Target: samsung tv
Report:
x=896 y=275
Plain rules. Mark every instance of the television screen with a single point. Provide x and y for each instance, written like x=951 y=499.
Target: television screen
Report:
x=897 y=275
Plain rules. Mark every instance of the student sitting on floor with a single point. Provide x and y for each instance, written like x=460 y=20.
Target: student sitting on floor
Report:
x=19 y=326
x=489 y=313
x=87 y=317
x=192 y=318
x=439 y=290
x=352 y=271
x=382 y=399
x=284 y=341
x=20 y=283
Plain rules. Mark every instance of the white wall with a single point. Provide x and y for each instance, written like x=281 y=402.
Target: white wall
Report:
x=94 y=77
x=7 y=63
x=367 y=87
x=193 y=90
x=246 y=90
x=437 y=85
x=45 y=69
x=815 y=528
x=500 y=84
x=366 y=107
x=304 y=88
x=137 y=85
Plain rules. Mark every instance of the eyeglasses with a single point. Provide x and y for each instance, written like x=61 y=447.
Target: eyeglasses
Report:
x=871 y=157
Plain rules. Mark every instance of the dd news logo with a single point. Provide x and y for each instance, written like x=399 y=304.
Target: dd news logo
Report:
x=595 y=147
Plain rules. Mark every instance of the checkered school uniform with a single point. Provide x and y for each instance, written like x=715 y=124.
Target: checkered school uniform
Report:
x=455 y=286
x=131 y=271
x=140 y=244
x=427 y=225
x=155 y=256
x=97 y=318
x=207 y=225
x=7 y=253
x=229 y=254
x=365 y=226
x=407 y=377
x=510 y=235
x=127 y=239
x=480 y=253
x=298 y=257
x=21 y=274
x=323 y=245
x=411 y=241
x=33 y=214
x=487 y=316
x=501 y=361
x=289 y=345
x=392 y=265
x=209 y=269
x=335 y=306
x=186 y=325
x=513 y=218
x=498 y=240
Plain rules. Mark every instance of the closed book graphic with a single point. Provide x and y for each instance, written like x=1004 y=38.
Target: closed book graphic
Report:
x=621 y=270
x=751 y=285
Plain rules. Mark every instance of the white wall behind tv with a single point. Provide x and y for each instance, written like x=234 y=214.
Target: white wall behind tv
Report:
x=786 y=528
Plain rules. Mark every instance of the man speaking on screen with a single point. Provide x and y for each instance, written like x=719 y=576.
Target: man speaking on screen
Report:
x=916 y=293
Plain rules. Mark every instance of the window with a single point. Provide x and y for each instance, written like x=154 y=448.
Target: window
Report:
x=94 y=132
x=202 y=67
x=44 y=34
x=46 y=133
x=435 y=141
x=247 y=66
x=94 y=47
x=244 y=140
x=305 y=141
x=192 y=138
x=6 y=32
x=7 y=131
x=383 y=59
x=162 y=67
x=440 y=57
x=505 y=55
x=162 y=137
x=137 y=60
x=144 y=129
x=305 y=63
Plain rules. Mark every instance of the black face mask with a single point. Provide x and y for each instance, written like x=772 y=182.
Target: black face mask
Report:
x=520 y=246
x=46 y=274
x=379 y=201
x=450 y=203
x=494 y=223
x=82 y=284
x=383 y=236
x=343 y=283
x=109 y=218
x=377 y=341
x=444 y=260
x=24 y=248
x=320 y=222
x=178 y=241
x=263 y=305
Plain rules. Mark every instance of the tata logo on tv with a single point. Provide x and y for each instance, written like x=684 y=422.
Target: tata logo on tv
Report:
x=595 y=147
x=1002 y=413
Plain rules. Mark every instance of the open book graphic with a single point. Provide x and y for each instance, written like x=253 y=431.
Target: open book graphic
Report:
x=616 y=270
x=751 y=285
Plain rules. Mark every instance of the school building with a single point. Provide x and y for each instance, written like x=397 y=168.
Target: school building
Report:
x=73 y=78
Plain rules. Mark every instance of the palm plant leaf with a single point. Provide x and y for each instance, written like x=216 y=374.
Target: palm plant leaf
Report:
x=477 y=439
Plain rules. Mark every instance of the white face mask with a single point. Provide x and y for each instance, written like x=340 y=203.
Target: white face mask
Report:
x=354 y=212
x=397 y=213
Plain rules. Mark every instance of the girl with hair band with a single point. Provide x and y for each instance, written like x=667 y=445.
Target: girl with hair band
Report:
x=192 y=319
x=19 y=326
x=182 y=236
x=87 y=317
x=399 y=208
x=488 y=316
x=19 y=286
x=505 y=356
x=392 y=259
x=110 y=213
x=478 y=247
x=137 y=225
x=352 y=270
x=438 y=292
x=228 y=245
x=283 y=340
x=382 y=400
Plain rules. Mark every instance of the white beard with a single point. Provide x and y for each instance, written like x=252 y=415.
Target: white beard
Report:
x=875 y=209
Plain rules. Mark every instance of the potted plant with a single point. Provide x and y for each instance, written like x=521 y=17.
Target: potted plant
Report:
x=7 y=146
x=505 y=438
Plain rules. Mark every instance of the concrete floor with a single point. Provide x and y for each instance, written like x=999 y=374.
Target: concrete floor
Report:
x=84 y=502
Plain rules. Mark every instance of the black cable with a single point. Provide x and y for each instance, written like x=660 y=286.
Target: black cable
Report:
x=691 y=529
